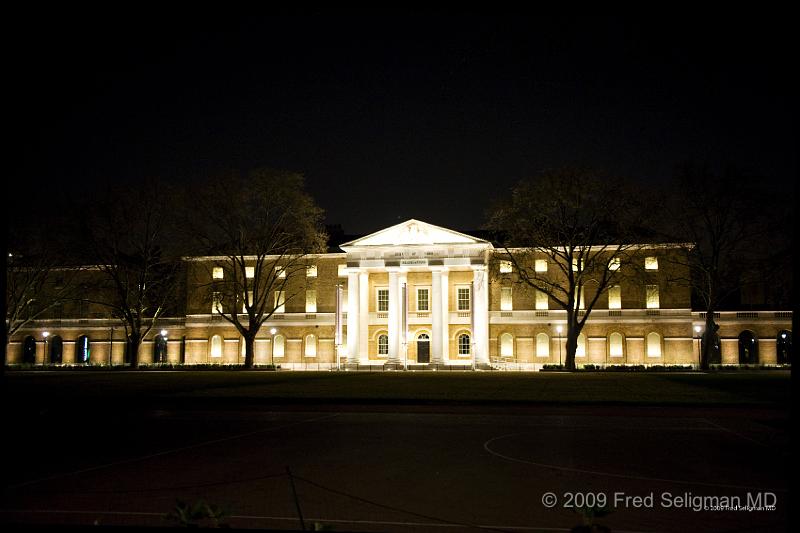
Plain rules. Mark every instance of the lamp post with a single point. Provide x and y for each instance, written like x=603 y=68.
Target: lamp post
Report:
x=697 y=330
x=272 y=332
x=559 y=329
x=164 y=338
x=45 y=334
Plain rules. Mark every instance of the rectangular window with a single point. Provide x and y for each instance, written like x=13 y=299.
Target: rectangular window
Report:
x=542 y=301
x=383 y=300
x=506 y=303
x=280 y=302
x=250 y=272
x=280 y=271
x=462 y=298
x=651 y=263
x=541 y=265
x=652 y=297
x=249 y=301
x=311 y=301
x=423 y=300
x=614 y=263
x=614 y=297
x=505 y=267
x=216 y=303
x=341 y=270
x=579 y=300
x=577 y=264
x=217 y=273
x=311 y=271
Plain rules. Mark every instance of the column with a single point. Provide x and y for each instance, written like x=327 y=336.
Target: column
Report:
x=363 y=317
x=353 y=313
x=394 y=317
x=480 y=315
x=437 y=318
x=445 y=313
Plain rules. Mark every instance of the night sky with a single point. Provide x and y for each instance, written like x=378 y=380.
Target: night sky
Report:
x=394 y=117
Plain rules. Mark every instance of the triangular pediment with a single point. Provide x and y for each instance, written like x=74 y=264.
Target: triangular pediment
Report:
x=413 y=232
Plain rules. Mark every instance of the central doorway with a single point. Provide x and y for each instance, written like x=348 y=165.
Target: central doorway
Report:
x=423 y=348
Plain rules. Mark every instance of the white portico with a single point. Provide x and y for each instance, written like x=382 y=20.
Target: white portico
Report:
x=417 y=293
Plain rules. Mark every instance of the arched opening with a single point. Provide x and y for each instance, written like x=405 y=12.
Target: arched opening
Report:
x=82 y=350
x=383 y=344
x=311 y=346
x=784 y=347
x=506 y=345
x=216 y=346
x=423 y=348
x=653 y=344
x=160 y=349
x=56 y=354
x=464 y=346
x=748 y=348
x=278 y=346
x=542 y=345
x=29 y=351
x=580 y=349
x=615 y=345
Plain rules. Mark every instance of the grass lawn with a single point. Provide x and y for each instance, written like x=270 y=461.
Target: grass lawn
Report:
x=769 y=388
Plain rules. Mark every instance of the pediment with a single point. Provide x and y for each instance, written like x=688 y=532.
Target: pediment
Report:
x=413 y=232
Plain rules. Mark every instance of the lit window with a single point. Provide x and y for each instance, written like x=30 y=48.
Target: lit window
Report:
x=249 y=301
x=423 y=302
x=615 y=345
x=280 y=302
x=505 y=267
x=250 y=272
x=651 y=263
x=383 y=300
x=542 y=345
x=542 y=301
x=462 y=298
x=311 y=301
x=341 y=270
x=217 y=273
x=577 y=264
x=278 y=346
x=311 y=346
x=614 y=297
x=506 y=303
x=216 y=303
x=540 y=265
x=614 y=263
x=383 y=345
x=464 y=347
x=311 y=271
x=506 y=345
x=280 y=272
x=652 y=297
x=579 y=300
x=580 y=350
x=216 y=346
x=653 y=345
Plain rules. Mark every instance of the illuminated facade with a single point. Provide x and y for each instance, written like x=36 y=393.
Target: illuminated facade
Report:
x=420 y=296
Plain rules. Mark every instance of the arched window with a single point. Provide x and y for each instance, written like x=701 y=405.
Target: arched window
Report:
x=29 y=351
x=784 y=347
x=653 y=344
x=748 y=348
x=56 y=350
x=615 y=348
x=542 y=345
x=464 y=347
x=311 y=346
x=383 y=344
x=506 y=345
x=216 y=346
x=580 y=350
x=82 y=352
x=159 y=349
x=278 y=346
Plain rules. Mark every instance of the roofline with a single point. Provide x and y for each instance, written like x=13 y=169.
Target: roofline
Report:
x=353 y=243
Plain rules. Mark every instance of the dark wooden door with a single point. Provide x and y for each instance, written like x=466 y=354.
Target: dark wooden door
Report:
x=423 y=351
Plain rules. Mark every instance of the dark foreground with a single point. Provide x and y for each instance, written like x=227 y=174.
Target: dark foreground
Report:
x=103 y=449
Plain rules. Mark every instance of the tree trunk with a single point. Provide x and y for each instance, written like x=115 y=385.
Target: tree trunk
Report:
x=572 y=348
x=249 y=351
x=132 y=350
x=708 y=342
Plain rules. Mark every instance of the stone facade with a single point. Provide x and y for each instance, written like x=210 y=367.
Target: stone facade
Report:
x=460 y=310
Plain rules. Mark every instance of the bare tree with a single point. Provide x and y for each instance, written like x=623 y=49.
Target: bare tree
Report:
x=733 y=244
x=579 y=221
x=129 y=245
x=259 y=228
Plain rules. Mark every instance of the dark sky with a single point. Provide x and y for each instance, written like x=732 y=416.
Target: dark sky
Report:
x=394 y=117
